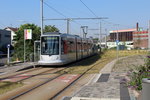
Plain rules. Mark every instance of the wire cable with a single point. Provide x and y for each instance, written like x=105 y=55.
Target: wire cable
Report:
x=59 y=12
x=54 y=9
x=88 y=8
x=115 y=24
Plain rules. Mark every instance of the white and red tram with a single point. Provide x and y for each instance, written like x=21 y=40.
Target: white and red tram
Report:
x=60 y=49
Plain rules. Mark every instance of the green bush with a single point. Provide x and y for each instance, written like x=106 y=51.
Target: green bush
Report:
x=142 y=72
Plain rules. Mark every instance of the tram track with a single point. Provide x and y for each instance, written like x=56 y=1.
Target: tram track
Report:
x=19 y=73
x=48 y=72
x=37 y=86
x=50 y=80
x=31 y=76
x=52 y=76
x=81 y=75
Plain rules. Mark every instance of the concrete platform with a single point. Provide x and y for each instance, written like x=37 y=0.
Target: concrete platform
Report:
x=104 y=86
x=16 y=67
x=83 y=98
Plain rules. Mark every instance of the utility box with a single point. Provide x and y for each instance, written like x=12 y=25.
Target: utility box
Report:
x=146 y=89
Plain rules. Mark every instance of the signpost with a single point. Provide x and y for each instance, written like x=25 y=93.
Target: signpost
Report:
x=117 y=42
x=8 y=54
x=27 y=35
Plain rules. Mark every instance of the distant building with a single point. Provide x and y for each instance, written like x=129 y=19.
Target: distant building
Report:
x=132 y=38
x=125 y=37
x=13 y=30
x=140 y=39
x=5 y=38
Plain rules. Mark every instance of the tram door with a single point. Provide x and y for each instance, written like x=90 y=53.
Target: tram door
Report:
x=36 y=51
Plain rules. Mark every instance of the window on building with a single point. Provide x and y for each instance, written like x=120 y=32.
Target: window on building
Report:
x=7 y=35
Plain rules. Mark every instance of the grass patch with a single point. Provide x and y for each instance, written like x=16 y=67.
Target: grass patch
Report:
x=99 y=61
x=8 y=86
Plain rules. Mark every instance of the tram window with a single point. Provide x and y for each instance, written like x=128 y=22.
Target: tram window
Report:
x=71 y=46
x=50 y=45
x=63 y=46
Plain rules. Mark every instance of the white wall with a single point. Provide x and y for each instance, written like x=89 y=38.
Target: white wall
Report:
x=128 y=44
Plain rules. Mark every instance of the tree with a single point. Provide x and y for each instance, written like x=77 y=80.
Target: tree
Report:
x=19 y=46
x=49 y=28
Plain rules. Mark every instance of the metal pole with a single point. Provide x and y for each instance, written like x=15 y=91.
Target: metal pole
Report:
x=68 y=25
x=34 y=51
x=86 y=31
x=24 y=47
x=149 y=35
x=106 y=38
x=41 y=17
x=80 y=32
x=105 y=41
x=117 y=41
x=8 y=57
x=100 y=36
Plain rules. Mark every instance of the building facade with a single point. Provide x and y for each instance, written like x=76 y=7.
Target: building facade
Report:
x=5 y=38
x=12 y=30
x=125 y=37
x=140 y=39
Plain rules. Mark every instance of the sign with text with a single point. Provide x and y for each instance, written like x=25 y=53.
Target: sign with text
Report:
x=28 y=34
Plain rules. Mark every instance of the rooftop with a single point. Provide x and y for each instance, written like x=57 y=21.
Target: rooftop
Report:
x=12 y=28
x=126 y=30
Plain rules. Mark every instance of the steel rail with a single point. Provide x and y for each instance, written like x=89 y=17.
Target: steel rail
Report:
x=92 y=66
x=37 y=86
x=51 y=79
x=18 y=74
x=29 y=90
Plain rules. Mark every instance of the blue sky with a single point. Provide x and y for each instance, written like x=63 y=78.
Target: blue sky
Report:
x=123 y=12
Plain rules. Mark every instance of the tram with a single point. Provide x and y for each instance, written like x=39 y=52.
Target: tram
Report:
x=60 y=49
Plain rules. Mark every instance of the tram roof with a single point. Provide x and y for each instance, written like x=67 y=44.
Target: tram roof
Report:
x=51 y=33
x=61 y=34
x=57 y=33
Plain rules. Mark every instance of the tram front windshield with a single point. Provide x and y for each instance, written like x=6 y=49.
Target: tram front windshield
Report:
x=50 y=45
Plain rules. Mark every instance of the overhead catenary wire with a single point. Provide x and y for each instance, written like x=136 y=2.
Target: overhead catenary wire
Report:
x=59 y=12
x=64 y=8
x=55 y=10
x=97 y=16
x=114 y=24
x=66 y=16
x=88 y=8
